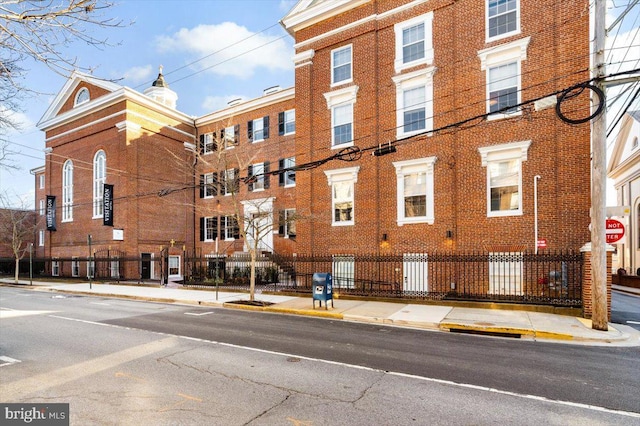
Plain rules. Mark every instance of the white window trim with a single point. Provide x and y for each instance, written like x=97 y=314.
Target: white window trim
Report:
x=41 y=238
x=338 y=98
x=427 y=18
x=41 y=207
x=206 y=183
x=81 y=92
x=75 y=266
x=293 y=110
x=41 y=181
x=504 y=152
x=501 y=36
x=411 y=166
x=289 y=185
x=253 y=130
x=409 y=81
x=350 y=80
x=515 y=51
x=174 y=257
x=206 y=151
x=206 y=239
x=98 y=184
x=287 y=222
x=349 y=174
x=67 y=191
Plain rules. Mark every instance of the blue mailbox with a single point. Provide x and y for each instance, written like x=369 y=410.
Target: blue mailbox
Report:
x=322 y=289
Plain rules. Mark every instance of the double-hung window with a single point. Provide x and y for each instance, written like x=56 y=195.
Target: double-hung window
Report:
x=230 y=228
x=287 y=223
x=414 y=44
x=208 y=143
x=41 y=238
x=287 y=178
x=41 y=210
x=341 y=60
x=415 y=199
x=229 y=136
x=259 y=176
x=502 y=65
x=258 y=130
x=209 y=185
x=41 y=181
x=210 y=228
x=414 y=102
x=287 y=122
x=67 y=191
x=342 y=183
x=230 y=181
x=340 y=103
x=504 y=177
x=99 y=178
x=503 y=18
x=75 y=267
x=342 y=124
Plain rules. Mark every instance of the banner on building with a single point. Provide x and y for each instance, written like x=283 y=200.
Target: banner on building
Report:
x=107 y=205
x=51 y=213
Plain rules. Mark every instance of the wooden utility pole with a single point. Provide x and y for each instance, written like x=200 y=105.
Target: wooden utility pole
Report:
x=598 y=180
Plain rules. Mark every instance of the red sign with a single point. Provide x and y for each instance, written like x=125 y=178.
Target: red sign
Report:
x=614 y=230
x=542 y=243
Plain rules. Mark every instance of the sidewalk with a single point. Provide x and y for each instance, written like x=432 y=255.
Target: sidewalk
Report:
x=514 y=323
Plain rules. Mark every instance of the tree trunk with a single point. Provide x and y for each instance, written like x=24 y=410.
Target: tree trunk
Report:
x=252 y=278
x=17 y=270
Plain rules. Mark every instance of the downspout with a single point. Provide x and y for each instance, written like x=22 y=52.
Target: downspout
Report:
x=535 y=211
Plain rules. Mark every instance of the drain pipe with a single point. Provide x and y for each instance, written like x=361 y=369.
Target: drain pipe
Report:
x=535 y=211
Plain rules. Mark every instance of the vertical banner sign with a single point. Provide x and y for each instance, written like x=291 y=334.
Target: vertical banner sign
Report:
x=51 y=213
x=108 y=205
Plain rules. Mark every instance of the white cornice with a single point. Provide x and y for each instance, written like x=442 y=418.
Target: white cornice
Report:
x=513 y=150
x=247 y=106
x=515 y=50
x=304 y=14
x=374 y=17
x=122 y=94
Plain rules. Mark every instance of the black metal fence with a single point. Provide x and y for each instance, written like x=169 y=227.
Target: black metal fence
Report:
x=546 y=278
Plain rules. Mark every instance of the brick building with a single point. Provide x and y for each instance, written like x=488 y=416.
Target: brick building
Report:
x=403 y=125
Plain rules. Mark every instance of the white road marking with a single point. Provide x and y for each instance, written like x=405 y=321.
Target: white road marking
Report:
x=13 y=313
x=99 y=303
x=5 y=360
x=391 y=373
x=633 y=322
x=198 y=314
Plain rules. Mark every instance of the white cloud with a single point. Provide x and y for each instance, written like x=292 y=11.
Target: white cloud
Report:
x=139 y=74
x=229 y=49
x=215 y=103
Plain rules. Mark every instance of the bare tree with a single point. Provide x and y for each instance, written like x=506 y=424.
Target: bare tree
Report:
x=42 y=31
x=18 y=227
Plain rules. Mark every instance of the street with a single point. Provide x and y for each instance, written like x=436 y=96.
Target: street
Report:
x=625 y=309
x=129 y=362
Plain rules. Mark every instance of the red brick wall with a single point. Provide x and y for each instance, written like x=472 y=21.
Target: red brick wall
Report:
x=557 y=57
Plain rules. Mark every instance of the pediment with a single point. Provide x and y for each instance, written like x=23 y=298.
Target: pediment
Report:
x=308 y=12
x=66 y=99
x=623 y=151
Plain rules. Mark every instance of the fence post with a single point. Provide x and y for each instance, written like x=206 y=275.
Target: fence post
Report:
x=587 y=303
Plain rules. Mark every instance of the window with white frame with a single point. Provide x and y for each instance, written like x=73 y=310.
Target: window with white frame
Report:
x=41 y=181
x=114 y=268
x=502 y=65
x=41 y=209
x=210 y=185
x=287 y=122
x=414 y=102
x=75 y=267
x=415 y=193
x=82 y=97
x=414 y=42
x=340 y=103
x=55 y=268
x=287 y=223
x=67 y=191
x=257 y=171
x=174 y=266
x=343 y=271
x=342 y=182
x=230 y=136
x=342 y=125
x=504 y=177
x=208 y=143
x=41 y=238
x=210 y=228
x=341 y=60
x=503 y=18
x=230 y=182
x=99 y=178
x=288 y=177
x=258 y=129
x=230 y=228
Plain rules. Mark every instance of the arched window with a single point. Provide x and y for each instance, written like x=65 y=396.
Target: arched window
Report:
x=67 y=191
x=99 y=177
x=82 y=96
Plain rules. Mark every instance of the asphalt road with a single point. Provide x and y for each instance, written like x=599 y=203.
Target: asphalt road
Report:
x=126 y=362
x=625 y=309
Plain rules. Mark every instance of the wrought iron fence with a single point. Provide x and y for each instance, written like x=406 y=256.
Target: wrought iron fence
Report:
x=546 y=278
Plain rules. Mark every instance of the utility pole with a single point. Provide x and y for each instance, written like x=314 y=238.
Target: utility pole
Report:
x=599 y=271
